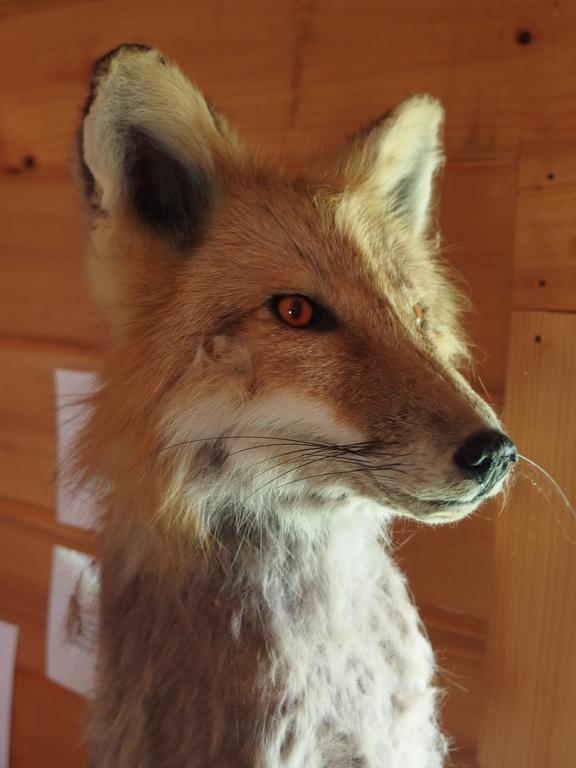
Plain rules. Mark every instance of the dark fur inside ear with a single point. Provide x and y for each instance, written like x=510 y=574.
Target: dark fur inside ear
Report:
x=172 y=198
x=402 y=196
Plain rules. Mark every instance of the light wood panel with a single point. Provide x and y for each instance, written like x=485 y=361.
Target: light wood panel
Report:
x=47 y=719
x=450 y=571
x=28 y=417
x=296 y=74
x=451 y=567
x=459 y=645
x=545 y=268
x=533 y=73
x=531 y=678
x=478 y=202
x=48 y=724
x=43 y=288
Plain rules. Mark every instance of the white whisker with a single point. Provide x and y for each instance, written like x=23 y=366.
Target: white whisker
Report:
x=558 y=488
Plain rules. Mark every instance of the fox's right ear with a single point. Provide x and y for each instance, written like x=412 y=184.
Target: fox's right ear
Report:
x=389 y=170
x=149 y=145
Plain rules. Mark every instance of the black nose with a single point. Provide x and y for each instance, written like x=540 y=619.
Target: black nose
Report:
x=486 y=456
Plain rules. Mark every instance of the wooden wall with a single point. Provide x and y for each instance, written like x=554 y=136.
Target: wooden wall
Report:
x=293 y=75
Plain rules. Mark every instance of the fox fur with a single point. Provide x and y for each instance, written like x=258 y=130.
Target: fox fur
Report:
x=252 y=615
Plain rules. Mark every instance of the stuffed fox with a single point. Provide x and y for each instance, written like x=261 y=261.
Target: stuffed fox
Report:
x=282 y=381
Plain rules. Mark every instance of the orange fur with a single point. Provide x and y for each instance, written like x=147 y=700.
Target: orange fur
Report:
x=248 y=468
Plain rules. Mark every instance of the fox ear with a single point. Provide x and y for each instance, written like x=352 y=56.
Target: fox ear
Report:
x=390 y=170
x=148 y=145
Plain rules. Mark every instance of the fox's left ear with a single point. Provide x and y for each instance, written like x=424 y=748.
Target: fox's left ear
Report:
x=390 y=169
x=149 y=145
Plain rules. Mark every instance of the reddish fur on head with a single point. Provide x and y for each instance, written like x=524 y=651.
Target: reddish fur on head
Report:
x=191 y=238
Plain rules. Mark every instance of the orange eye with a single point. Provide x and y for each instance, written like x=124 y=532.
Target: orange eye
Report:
x=295 y=310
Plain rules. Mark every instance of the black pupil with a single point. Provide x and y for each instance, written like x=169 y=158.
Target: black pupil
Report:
x=295 y=308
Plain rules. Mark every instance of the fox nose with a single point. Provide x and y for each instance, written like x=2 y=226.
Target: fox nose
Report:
x=486 y=456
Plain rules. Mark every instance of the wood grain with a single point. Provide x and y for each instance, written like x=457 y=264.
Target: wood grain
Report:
x=459 y=645
x=450 y=567
x=28 y=417
x=47 y=719
x=478 y=201
x=48 y=724
x=545 y=267
x=43 y=290
x=298 y=74
x=531 y=675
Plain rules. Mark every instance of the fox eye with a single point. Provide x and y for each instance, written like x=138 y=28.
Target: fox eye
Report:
x=294 y=310
x=301 y=312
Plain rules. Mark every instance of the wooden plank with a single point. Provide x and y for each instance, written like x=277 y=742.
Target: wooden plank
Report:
x=241 y=54
x=545 y=268
x=48 y=720
x=27 y=537
x=449 y=570
x=533 y=73
x=476 y=220
x=359 y=59
x=12 y=8
x=547 y=287
x=43 y=291
x=450 y=567
x=48 y=724
x=301 y=74
x=459 y=645
x=531 y=672
x=28 y=418
x=24 y=569
x=42 y=522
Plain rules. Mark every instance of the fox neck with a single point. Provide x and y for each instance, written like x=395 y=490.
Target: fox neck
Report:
x=301 y=544
x=195 y=643
x=255 y=598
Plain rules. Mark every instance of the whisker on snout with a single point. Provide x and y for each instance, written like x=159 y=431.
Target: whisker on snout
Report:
x=548 y=476
x=556 y=486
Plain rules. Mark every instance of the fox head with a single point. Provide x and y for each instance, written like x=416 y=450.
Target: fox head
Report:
x=280 y=341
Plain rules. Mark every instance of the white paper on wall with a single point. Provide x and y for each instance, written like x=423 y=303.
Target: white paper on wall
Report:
x=73 y=620
x=8 y=642
x=73 y=507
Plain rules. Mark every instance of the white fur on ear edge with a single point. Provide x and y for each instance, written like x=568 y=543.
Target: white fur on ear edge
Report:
x=138 y=88
x=395 y=163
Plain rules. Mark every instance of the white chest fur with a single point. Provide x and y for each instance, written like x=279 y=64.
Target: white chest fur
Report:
x=351 y=669
x=296 y=652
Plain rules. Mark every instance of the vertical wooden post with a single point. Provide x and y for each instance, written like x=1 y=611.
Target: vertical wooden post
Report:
x=530 y=701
